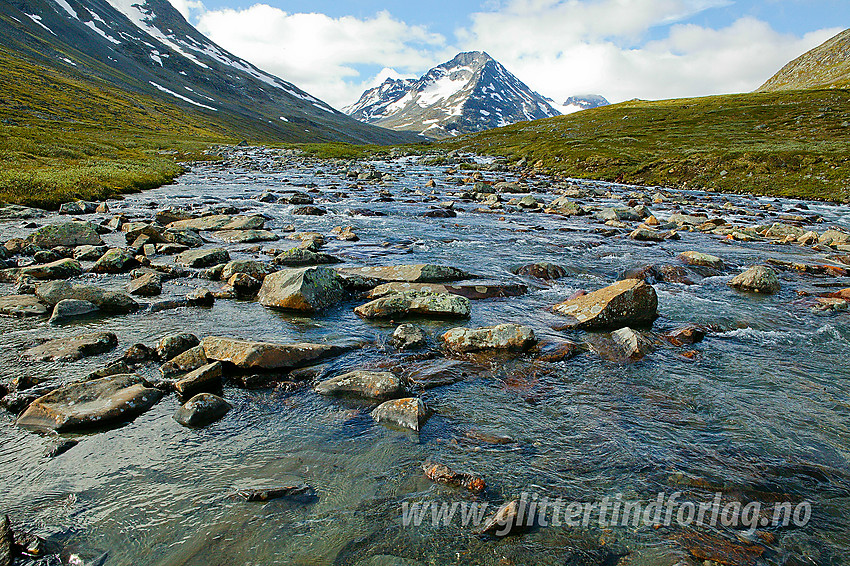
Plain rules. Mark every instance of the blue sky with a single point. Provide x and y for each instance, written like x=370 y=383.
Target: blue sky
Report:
x=618 y=48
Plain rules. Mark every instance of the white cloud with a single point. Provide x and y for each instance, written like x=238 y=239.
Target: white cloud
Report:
x=621 y=49
x=562 y=48
x=318 y=53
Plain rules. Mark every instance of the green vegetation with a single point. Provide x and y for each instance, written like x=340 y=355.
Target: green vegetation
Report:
x=825 y=66
x=789 y=143
x=64 y=138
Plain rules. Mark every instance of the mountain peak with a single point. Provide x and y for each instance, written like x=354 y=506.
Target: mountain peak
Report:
x=470 y=93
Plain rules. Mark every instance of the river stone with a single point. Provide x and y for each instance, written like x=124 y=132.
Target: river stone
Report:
x=89 y=253
x=201 y=410
x=90 y=403
x=414 y=303
x=368 y=384
x=108 y=301
x=265 y=355
x=834 y=238
x=648 y=235
x=408 y=337
x=7 y=542
x=175 y=344
x=74 y=348
x=183 y=237
x=256 y=269
x=116 y=260
x=542 y=270
x=702 y=260
x=203 y=258
x=469 y=290
x=205 y=378
x=632 y=345
x=68 y=234
x=501 y=337
x=620 y=213
x=757 y=279
x=184 y=362
x=299 y=257
x=148 y=285
x=71 y=308
x=422 y=273
x=627 y=302
x=563 y=205
x=61 y=269
x=407 y=413
x=305 y=289
x=22 y=306
x=246 y=236
x=217 y=222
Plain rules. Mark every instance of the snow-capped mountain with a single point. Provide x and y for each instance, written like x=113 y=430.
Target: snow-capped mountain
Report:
x=470 y=93
x=147 y=47
x=585 y=102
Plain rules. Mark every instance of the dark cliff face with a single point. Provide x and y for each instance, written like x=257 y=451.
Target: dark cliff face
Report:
x=147 y=47
x=470 y=93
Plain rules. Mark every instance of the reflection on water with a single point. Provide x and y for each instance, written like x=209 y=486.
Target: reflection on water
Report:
x=762 y=409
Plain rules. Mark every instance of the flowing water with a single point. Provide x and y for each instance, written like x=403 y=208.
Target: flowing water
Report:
x=762 y=412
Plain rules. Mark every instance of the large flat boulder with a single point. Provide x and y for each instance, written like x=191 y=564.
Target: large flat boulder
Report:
x=68 y=234
x=95 y=403
x=74 y=348
x=108 y=301
x=265 y=355
x=306 y=289
x=246 y=236
x=217 y=222
x=360 y=383
x=512 y=337
x=440 y=305
x=628 y=302
x=421 y=273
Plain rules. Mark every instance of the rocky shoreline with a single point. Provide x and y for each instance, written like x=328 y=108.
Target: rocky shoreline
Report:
x=88 y=263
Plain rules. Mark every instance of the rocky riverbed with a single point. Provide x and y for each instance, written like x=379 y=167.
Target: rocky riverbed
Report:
x=262 y=363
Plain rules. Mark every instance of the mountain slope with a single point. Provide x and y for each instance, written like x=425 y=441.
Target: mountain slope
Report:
x=470 y=93
x=825 y=66
x=146 y=47
x=789 y=143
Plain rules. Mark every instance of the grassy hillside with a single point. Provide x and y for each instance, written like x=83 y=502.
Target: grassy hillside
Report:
x=789 y=143
x=55 y=145
x=825 y=66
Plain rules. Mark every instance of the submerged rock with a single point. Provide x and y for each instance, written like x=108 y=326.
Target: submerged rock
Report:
x=74 y=348
x=301 y=493
x=22 y=306
x=542 y=270
x=501 y=337
x=472 y=291
x=443 y=474
x=201 y=410
x=360 y=383
x=99 y=402
x=757 y=279
x=627 y=302
x=306 y=289
x=406 y=413
x=265 y=355
x=421 y=273
x=632 y=345
x=416 y=304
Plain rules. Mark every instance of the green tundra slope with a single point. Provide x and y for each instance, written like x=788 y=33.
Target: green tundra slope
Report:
x=787 y=143
x=825 y=66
